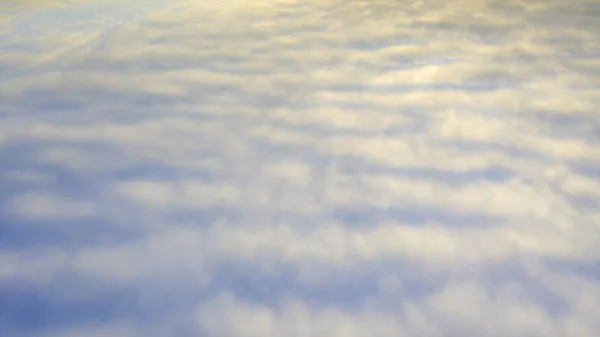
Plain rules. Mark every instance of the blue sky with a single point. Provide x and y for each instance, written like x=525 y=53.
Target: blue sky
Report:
x=299 y=168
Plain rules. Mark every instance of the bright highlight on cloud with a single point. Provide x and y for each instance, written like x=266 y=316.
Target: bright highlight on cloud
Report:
x=300 y=168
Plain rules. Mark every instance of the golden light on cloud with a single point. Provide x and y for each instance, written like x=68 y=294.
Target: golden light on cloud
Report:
x=300 y=167
x=44 y=4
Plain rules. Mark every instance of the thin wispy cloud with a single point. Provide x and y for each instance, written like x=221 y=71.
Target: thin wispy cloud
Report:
x=299 y=168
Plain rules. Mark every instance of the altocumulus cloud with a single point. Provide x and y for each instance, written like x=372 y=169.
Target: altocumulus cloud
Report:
x=300 y=168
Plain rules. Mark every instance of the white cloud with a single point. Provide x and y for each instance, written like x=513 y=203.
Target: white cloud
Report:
x=30 y=177
x=168 y=255
x=120 y=329
x=35 y=267
x=466 y=309
x=226 y=315
x=333 y=246
x=286 y=113
x=470 y=309
x=295 y=172
x=179 y=194
x=513 y=198
x=44 y=206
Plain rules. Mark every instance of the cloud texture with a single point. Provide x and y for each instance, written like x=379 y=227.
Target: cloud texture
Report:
x=300 y=168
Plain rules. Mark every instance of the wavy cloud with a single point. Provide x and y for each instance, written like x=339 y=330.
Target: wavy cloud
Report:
x=299 y=168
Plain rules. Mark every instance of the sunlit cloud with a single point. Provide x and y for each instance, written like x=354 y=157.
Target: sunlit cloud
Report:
x=299 y=168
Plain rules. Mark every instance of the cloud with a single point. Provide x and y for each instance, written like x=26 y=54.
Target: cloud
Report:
x=463 y=308
x=42 y=206
x=334 y=246
x=174 y=254
x=299 y=168
x=37 y=4
x=225 y=315
x=123 y=330
x=32 y=267
x=186 y=194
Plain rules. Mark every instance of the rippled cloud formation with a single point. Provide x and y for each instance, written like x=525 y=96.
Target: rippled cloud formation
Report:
x=300 y=168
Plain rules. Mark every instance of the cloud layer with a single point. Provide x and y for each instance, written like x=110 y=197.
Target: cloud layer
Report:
x=300 y=168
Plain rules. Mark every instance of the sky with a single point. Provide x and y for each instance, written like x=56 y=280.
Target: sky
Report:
x=301 y=168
